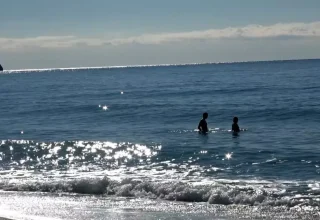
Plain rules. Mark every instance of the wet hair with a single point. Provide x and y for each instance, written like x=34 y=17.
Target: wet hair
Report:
x=235 y=120
x=205 y=115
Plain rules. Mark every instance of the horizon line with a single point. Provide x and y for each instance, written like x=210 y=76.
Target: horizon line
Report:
x=150 y=65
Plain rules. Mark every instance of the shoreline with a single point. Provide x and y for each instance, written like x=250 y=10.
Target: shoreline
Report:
x=46 y=206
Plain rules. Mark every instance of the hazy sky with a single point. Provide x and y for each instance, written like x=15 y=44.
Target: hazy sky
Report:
x=72 y=33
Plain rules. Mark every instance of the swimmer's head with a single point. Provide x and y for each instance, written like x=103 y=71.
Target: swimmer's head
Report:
x=235 y=120
x=205 y=115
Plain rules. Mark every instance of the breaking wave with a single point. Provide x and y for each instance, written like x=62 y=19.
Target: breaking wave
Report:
x=222 y=192
x=132 y=170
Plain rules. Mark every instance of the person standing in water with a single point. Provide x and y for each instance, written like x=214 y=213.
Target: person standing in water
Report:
x=203 y=127
x=235 y=126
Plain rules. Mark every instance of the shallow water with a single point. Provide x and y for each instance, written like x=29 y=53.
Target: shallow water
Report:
x=67 y=206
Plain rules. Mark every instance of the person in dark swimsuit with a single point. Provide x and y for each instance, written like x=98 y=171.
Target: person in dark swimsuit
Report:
x=203 y=127
x=235 y=126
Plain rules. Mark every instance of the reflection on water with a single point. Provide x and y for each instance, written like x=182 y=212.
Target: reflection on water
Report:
x=29 y=155
x=184 y=160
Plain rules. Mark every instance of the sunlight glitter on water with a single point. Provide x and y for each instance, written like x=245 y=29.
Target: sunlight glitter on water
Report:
x=228 y=156
x=58 y=155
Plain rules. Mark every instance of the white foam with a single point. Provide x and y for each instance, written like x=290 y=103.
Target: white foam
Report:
x=215 y=192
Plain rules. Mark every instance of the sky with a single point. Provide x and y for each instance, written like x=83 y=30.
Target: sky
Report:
x=82 y=33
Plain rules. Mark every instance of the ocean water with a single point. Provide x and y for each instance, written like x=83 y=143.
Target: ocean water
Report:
x=121 y=142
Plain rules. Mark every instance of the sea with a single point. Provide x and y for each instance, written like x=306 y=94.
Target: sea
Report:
x=122 y=142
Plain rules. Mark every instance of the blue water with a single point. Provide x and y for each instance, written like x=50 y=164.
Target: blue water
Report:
x=148 y=131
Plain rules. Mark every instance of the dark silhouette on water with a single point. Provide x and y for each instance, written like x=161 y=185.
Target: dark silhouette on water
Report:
x=235 y=126
x=203 y=127
x=1 y=68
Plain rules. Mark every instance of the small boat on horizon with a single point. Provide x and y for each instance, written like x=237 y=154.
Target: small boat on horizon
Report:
x=1 y=68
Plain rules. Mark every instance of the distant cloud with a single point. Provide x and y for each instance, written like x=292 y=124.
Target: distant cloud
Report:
x=279 y=30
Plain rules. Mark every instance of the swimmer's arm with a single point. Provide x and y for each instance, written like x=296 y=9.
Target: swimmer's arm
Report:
x=206 y=128
x=199 y=126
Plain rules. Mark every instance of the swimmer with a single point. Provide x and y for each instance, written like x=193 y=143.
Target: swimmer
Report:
x=235 y=126
x=203 y=127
